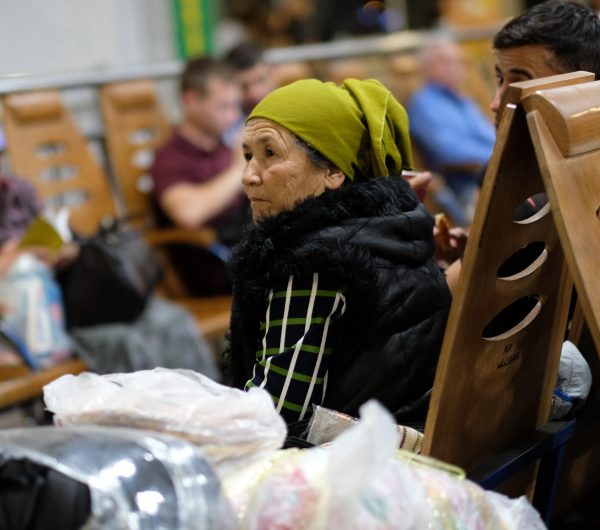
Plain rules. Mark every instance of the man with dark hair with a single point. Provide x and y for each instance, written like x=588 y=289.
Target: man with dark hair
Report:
x=554 y=37
x=253 y=73
x=197 y=178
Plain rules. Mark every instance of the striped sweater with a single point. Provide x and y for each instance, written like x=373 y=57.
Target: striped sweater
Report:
x=297 y=337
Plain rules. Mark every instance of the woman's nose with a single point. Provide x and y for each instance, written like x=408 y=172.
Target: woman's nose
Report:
x=250 y=176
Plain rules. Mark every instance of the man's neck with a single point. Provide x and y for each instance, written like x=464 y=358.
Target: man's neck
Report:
x=197 y=137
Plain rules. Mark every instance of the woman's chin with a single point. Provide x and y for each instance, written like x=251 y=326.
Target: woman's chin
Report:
x=258 y=215
x=259 y=211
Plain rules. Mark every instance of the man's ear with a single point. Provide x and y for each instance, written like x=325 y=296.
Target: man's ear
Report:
x=334 y=178
x=189 y=97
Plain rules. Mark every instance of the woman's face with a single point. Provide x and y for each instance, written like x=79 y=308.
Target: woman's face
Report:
x=278 y=172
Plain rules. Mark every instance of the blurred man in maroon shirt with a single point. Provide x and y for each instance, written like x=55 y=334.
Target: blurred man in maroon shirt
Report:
x=197 y=177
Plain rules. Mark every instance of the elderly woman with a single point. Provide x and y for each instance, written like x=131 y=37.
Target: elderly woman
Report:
x=337 y=298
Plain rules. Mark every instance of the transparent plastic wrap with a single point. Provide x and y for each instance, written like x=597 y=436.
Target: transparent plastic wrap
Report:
x=326 y=424
x=136 y=479
x=361 y=481
x=233 y=427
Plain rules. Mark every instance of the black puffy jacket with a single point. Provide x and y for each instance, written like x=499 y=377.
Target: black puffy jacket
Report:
x=376 y=238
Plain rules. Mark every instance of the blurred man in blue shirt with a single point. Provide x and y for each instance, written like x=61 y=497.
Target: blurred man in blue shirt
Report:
x=455 y=138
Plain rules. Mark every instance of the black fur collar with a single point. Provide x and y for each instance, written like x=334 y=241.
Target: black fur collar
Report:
x=386 y=203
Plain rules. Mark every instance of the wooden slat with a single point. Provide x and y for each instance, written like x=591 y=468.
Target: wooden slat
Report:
x=565 y=128
x=132 y=110
x=29 y=386
x=212 y=314
x=43 y=141
x=519 y=91
x=135 y=125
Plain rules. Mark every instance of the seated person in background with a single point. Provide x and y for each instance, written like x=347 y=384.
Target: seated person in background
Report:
x=454 y=136
x=337 y=296
x=197 y=177
x=253 y=74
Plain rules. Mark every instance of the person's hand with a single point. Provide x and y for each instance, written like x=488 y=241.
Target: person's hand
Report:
x=449 y=242
x=419 y=181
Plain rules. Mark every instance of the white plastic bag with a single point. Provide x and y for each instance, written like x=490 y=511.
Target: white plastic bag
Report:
x=361 y=482
x=232 y=426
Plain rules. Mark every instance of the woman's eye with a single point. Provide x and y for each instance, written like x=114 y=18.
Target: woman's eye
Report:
x=499 y=80
x=269 y=152
x=248 y=156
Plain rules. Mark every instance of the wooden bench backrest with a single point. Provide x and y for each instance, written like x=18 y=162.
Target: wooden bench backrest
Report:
x=494 y=383
x=135 y=125
x=46 y=147
x=565 y=129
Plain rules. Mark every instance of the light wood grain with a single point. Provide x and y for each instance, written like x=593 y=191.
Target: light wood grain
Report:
x=491 y=394
x=560 y=122
x=29 y=386
x=517 y=92
x=135 y=122
x=38 y=120
x=135 y=125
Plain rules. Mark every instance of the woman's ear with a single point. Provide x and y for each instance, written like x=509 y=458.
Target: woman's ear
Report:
x=334 y=178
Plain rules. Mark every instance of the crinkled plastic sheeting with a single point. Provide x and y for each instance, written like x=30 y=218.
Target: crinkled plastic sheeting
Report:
x=233 y=427
x=137 y=479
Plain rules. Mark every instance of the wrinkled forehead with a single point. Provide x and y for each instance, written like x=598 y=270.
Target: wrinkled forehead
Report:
x=263 y=130
x=527 y=62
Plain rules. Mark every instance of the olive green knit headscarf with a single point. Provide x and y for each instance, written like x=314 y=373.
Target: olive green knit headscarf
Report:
x=359 y=125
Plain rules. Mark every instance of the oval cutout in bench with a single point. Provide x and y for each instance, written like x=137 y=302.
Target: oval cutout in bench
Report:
x=513 y=318
x=49 y=149
x=143 y=135
x=531 y=209
x=59 y=173
x=524 y=261
x=145 y=184
x=142 y=158
x=69 y=199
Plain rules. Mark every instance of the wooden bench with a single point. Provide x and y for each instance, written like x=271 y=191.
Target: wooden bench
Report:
x=28 y=385
x=497 y=370
x=565 y=128
x=211 y=313
x=46 y=147
x=135 y=126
